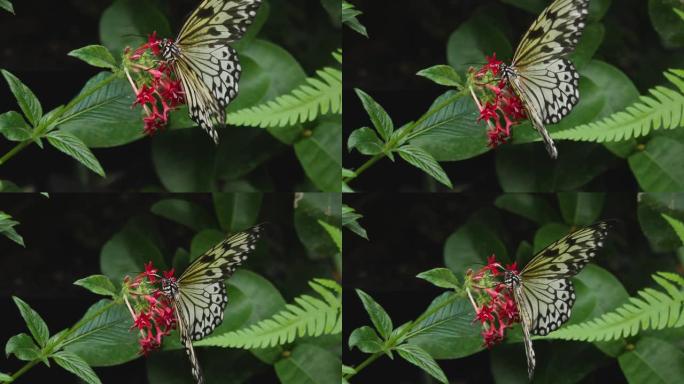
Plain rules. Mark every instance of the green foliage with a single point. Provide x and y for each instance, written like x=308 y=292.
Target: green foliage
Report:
x=650 y=309
x=7 y=6
x=663 y=109
x=95 y=55
x=349 y=17
x=99 y=285
x=7 y=225
x=74 y=364
x=307 y=316
x=321 y=95
x=443 y=75
x=350 y=221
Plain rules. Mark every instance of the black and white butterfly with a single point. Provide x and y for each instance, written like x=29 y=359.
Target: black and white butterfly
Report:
x=199 y=295
x=543 y=291
x=540 y=75
x=208 y=68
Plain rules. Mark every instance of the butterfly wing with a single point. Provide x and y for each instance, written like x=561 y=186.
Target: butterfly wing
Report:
x=201 y=288
x=525 y=312
x=210 y=69
x=554 y=34
x=548 y=292
x=183 y=328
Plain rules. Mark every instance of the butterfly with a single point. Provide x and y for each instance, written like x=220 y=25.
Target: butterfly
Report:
x=208 y=68
x=539 y=74
x=543 y=291
x=199 y=296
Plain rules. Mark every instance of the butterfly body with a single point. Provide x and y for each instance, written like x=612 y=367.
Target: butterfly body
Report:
x=543 y=291
x=546 y=82
x=199 y=295
x=208 y=68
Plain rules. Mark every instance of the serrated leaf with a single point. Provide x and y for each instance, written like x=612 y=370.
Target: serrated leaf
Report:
x=377 y=114
x=28 y=102
x=366 y=141
x=366 y=340
x=418 y=357
x=23 y=347
x=14 y=127
x=422 y=160
x=380 y=318
x=74 y=147
x=95 y=55
x=76 y=365
x=440 y=277
x=7 y=6
x=442 y=75
x=35 y=323
x=334 y=232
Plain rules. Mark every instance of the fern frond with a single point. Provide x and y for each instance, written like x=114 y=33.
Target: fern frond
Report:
x=317 y=96
x=664 y=109
x=308 y=316
x=650 y=309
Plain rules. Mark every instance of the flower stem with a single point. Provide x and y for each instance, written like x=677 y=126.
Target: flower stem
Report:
x=406 y=133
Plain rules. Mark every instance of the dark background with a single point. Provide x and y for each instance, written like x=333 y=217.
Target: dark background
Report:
x=34 y=44
x=64 y=235
x=407 y=235
x=407 y=36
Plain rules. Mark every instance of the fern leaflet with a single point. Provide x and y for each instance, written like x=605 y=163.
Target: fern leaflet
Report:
x=663 y=109
x=318 y=96
x=308 y=316
x=650 y=309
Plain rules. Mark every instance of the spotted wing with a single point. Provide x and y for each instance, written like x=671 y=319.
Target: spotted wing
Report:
x=548 y=294
x=526 y=313
x=553 y=35
x=184 y=330
x=215 y=21
x=201 y=288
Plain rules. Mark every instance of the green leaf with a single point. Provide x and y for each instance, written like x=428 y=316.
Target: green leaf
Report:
x=424 y=161
x=74 y=147
x=309 y=209
x=105 y=118
x=184 y=212
x=95 y=55
x=653 y=361
x=74 y=364
x=204 y=240
x=549 y=233
x=677 y=225
x=7 y=230
x=307 y=316
x=14 y=127
x=533 y=207
x=317 y=96
x=23 y=347
x=350 y=221
x=378 y=116
x=475 y=39
x=366 y=340
x=380 y=318
x=321 y=155
x=449 y=333
x=334 y=232
x=237 y=211
x=7 y=6
x=126 y=23
x=309 y=364
x=35 y=323
x=442 y=75
x=591 y=40
x=581 y=208
x=184 y=160
x=28 y=102
x=667 y=23
x=349 y=14
x=440 y=277
x=3 y=376
x=128 y=250
x=470 y=245
x=366 y=141
x=658 y=168
x=98 y=284
x=418 y=357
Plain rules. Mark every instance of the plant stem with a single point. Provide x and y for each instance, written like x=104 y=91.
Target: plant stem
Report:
x=43 y=126
x=392 y=143
x=407 y=330
x=58 y=343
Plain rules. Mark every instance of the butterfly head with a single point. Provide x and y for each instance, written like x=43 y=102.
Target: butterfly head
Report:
x=169 y=286
x=506 y=71
x=511 y=278
x=169 y=50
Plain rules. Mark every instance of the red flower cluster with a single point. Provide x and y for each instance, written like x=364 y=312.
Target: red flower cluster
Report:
x=501 y=103
x=155 y=86
x=152 y=312
x=495 y=307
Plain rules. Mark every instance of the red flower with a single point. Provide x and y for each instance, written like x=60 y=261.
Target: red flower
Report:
x=142 y=320
x=484 y=314
x=169 y=274
x=150 y=272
